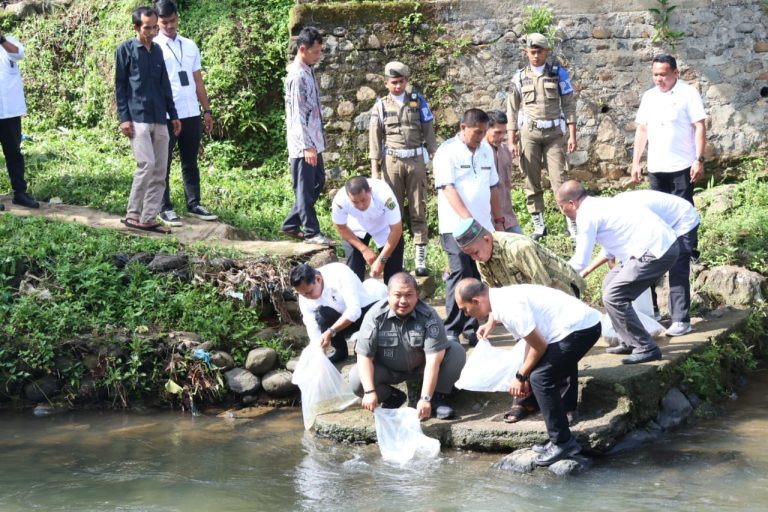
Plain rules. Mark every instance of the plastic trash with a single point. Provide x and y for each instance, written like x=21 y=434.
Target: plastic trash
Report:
x=644 y=303
x=323 y=389
x=204 y=356
x=400 y=438
x=375 y=288
x=611 y=337
x=491 y=368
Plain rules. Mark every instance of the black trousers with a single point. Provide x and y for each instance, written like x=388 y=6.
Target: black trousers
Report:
x=189 y=146
x=461 y=266
x=678 y=184
x=308 y=183
x=10 y=139
x=357 y=263
x=560 y=360
x=326 y=316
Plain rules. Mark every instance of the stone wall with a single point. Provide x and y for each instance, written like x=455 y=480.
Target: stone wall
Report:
x=464 y=53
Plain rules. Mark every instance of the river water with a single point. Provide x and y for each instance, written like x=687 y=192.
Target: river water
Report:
x=172 y=462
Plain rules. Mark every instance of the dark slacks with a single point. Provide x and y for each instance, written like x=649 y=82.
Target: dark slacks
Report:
x=189 y=146
x=308 y=183
x=326 y=316
x=357 y=263
x=678 y=184
x=10 y=139
x=461 y=266
x=560 y=360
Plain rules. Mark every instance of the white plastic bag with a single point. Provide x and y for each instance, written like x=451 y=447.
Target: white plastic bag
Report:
x=491 y=368
x=323 y=389
x=400 y=438
x=644 y=303
x=375 y=288
x=612 y=337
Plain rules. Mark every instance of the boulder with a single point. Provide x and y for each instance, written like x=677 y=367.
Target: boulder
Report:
x=42 y=389
x=636 y=438
x=261 y=360
x=291 y=365
x=427 y=286
x=167 y=262
x=241 y=381
x=222 y=359
x=732 y=286
x=675 y=408
x=277 y=383
x=323 y=257
x=519 y=461
x=145 y=258
x=566 y=467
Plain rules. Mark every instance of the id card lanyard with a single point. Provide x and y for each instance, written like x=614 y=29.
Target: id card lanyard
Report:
x=183 y=78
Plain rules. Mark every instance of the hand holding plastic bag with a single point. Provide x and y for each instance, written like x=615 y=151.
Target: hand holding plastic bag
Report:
x=400 y=438
x=323 y=389
x=491 y=368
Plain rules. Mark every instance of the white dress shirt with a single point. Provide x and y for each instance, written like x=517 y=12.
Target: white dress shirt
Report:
x=622 y=232
x=11 y=90
x=676 y=212
x=472 y=175
x=525 y=307
x=376 y=220
x=342 y=291
x=181 y=54
x=669 y=118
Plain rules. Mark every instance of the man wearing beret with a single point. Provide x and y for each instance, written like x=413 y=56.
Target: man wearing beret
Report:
x=540 y=97
x=402 y=135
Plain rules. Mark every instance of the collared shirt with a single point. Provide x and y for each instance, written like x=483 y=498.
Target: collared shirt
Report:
x=401 y=122
x=142 y=88
x=503 y=160
x=675 y=211
x=382 y=212
x=401 y=344
x=540 y=96
x=303 y=112
x=623 y=232
x=182 y=54
x=669 y=118
x=525 y=307
x=342 y=291
x=516 y=259
x=11 y=89
x=472 y=175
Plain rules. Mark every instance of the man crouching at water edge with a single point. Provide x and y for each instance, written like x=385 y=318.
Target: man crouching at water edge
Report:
x=401 y=339
x=558 y=329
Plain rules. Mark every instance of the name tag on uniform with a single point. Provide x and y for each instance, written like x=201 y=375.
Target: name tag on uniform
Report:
x=485 y=168
x=466 y=166
x=183 y=78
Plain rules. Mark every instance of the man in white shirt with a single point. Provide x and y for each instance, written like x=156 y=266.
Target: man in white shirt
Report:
x=367 y=209
x=182 y=61
x=558 y=330
x=12 y=107
x=467 y=187
x=333 y=302
x=645 y=248
x=671 y=120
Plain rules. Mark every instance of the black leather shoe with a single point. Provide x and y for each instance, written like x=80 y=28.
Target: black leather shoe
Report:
x=557 y=452
x=619 y=349
x=395 y=399
x=440 y=408
x=643 y=357
x=25 y=200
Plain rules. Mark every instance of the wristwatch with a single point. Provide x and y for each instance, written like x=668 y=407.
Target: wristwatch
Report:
x=700 y=158
x=384 y=259
x=426 y=398
x=521 y=377
x=332 y=331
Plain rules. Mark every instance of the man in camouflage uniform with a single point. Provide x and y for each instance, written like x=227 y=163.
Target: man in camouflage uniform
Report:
x=540 y=98
x=402 y=133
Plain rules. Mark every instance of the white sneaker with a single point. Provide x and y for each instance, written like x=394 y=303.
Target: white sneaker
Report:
x=539 y=228
x=679 y=328
x=319 y=239
x=169 y=218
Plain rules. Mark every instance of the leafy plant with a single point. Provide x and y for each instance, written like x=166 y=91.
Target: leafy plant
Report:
x=541 y=20
x=663 y=31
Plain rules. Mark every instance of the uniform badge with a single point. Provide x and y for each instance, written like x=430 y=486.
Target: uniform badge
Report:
x=390 y=204
x=389 y=353
x=433 y=330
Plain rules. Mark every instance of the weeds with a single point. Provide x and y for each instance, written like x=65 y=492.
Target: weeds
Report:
x=664 y=33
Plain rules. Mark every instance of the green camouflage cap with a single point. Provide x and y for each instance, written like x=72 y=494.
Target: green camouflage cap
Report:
x=536 y=40
x=467 y=232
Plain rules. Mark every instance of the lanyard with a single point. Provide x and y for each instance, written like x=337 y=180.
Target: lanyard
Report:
x=181 y=50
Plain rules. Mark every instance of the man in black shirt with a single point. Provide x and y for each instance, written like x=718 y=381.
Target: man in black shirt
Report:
x=144 y=97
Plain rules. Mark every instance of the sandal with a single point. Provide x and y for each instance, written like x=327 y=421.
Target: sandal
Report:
x=153 y=228
x=516 y=413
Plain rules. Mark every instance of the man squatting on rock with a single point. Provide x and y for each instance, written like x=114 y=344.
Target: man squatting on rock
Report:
x=558 y=330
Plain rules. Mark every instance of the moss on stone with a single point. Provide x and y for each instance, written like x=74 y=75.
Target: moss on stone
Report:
x=328 y=15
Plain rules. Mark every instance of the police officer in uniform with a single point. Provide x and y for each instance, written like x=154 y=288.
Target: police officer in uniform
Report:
x=540 y=98
x=402 y=339
x=402 y=134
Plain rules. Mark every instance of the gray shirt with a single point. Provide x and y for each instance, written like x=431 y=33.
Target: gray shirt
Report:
x=401 y=344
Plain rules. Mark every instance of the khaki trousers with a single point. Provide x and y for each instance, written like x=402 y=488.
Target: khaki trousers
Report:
x=150 y=148
x=408 y=179
x=539 y=148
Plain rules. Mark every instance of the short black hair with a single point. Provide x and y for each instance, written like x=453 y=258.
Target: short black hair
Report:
x=303 y=273
x=496 y=117
x=357 y=184
x=403 y=278
x=666 y=58
x=474 y=116
x=469 y=288
x=166 y=8
x=308 y=37
x=141 y=11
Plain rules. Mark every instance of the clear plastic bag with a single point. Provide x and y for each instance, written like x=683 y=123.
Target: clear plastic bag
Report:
x=400 y=438
x=323 y=389
x=375 y=288
x=611 y=337
x=491 y=368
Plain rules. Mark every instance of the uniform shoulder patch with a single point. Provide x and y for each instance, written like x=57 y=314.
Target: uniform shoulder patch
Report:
x=390 y=204
x=433 y=329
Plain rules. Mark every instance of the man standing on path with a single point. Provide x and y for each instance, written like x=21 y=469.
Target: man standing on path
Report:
x=467 y=187
x=144 y=98
x=540 y=101
x=402 y=134
x=12 y=107
x=306 y=139
x=645 y=248
x=364 y=209
x=671 y=120
x=497 y=131
x=182 y=61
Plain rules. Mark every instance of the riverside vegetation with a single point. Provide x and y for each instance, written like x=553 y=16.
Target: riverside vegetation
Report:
x=58 y=281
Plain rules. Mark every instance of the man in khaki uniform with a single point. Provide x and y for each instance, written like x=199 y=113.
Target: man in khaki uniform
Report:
x=540 y=98
x=402 y=133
